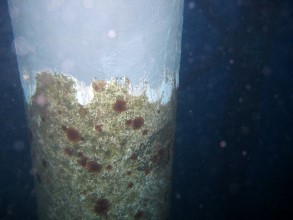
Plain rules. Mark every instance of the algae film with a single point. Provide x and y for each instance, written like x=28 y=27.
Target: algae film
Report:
x=108 y=159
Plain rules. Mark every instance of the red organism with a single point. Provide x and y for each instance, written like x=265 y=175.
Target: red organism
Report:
x=119 y=106
x=93 y=166
x=137 y=123
x=101 y=206
x=73 y=134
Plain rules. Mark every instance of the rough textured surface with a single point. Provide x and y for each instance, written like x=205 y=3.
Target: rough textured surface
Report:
x=109 y=159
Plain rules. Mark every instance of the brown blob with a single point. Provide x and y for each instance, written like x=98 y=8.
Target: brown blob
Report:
x=144 y=132
x=73 y=134
x=129 y=173
x=93 y=166
x=133 y=156
x=82 y=161
x=130 y=185
x=137 y=123
x=138 y=215
x=98 y=85
x=98 y=127
x=119 y=106
x=69 y=151
x=101 y=206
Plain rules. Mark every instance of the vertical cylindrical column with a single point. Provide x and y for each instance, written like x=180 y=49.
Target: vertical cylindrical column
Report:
x=100 y=81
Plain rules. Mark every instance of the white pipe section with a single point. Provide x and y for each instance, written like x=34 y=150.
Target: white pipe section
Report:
x=102 y=39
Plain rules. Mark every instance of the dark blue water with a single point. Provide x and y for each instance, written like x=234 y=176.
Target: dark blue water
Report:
x=234 y=147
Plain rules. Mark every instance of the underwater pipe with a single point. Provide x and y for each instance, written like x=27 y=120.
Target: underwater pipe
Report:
x=100 y=81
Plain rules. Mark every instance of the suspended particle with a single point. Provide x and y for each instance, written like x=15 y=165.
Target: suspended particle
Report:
x=223 y=144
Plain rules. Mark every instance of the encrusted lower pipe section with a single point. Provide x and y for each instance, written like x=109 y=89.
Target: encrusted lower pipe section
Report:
x=108 y=159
